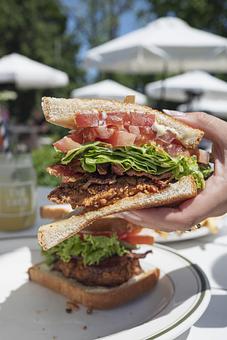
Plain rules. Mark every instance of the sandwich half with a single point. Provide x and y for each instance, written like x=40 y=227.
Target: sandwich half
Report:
x=117 y=157
x=99 y=267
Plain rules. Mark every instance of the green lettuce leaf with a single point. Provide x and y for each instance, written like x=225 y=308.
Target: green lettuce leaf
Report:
x=92 y=249
x=148 y=158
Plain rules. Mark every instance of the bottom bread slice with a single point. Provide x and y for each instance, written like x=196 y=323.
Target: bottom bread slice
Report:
x=94 y=297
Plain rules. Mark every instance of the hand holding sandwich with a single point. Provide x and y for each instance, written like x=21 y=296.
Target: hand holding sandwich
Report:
x=119 y=156
x=212 y=201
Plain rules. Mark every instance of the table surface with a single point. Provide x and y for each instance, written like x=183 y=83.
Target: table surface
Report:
x=209 y=252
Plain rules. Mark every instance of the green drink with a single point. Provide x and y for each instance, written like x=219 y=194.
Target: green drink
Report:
x=17 y=192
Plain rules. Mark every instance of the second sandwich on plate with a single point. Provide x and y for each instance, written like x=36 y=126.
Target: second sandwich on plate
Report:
x=100 y=266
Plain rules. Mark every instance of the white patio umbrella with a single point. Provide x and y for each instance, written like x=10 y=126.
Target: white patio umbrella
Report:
x=26 y=73
x=216 y=105
x=108 y=89
x=177 y=88
x=166 y=42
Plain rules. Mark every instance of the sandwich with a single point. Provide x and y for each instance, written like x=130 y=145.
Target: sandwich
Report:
x=119 y=156
x=99 y=267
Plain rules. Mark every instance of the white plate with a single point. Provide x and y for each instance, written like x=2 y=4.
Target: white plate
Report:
x=189 y=235
x=29 y=311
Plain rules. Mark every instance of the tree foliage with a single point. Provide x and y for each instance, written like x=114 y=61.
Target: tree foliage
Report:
x=202 y=14
x=38 y=30
x=98 y=21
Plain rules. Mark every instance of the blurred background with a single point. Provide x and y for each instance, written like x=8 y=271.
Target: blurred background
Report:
x=170 y=54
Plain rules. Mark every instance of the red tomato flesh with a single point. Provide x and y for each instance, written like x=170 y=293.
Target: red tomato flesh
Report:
x=115 y=119
x=122 y=138
x=65 y=144
x=139 y=239
x=84 y=120
x=142 y=119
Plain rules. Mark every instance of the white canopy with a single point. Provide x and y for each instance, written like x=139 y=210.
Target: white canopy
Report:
x=29 y=74
x=165 y=42
x=214 y=104
x=108 y=89
x=175 y=88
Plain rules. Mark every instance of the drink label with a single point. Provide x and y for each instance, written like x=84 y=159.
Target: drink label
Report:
x=17 y=198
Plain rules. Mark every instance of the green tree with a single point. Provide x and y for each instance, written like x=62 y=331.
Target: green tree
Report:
x=38 y=29
x=97 y=22
x=202 y=14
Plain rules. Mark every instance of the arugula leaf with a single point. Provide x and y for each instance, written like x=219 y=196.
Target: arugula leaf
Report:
x=92 y=249
x=148 y=158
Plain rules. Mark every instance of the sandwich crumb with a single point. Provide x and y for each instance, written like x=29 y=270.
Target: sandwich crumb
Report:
x=84 y=327
x=71 y=306
x=89 y=311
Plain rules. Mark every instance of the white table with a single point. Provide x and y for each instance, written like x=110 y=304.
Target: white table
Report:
x=209 y=252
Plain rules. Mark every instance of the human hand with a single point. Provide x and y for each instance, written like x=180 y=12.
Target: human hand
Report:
x=210 y=202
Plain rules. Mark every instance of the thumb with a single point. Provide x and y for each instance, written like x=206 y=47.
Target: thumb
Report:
x=214 y=128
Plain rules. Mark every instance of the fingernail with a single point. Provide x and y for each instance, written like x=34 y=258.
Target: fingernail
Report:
x=174 y=113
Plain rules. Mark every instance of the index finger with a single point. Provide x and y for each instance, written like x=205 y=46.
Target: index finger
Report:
x=213 y=127
x=182 y=217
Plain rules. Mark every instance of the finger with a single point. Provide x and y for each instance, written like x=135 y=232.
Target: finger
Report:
x=154 y=218
x=214 y=128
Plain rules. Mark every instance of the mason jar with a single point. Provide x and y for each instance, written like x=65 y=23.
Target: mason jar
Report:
x=17 y=192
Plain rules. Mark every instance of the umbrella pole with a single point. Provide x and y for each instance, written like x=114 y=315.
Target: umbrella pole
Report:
x=4 y=140
x=163 y=90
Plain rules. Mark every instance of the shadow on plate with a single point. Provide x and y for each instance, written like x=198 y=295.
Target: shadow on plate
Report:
x=219 y=271
x=215 y=316
x=41 y=312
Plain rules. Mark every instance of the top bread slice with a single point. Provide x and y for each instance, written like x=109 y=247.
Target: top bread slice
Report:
x=60 y=111
x=52 y=234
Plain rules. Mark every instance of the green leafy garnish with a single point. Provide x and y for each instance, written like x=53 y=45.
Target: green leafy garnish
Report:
x=92 y=249
x=148 y=158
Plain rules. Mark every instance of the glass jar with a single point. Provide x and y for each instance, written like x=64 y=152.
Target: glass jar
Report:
x=17 y=192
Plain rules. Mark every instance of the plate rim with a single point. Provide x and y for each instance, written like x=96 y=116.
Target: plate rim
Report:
x=200 y=306
x=203 y=301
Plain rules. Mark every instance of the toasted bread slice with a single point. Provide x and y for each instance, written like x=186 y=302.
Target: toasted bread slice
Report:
x=94 y=297
x=51 y=234
x=55 y=211
x=60 y=111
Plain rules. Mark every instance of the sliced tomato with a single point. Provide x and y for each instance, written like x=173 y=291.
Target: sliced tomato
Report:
x=135 y=130
x=167 y=138
x=139 y=239
x=122 y=138
x=89 y=135
x=66 y=144
x=87 y=119
x=142 y=119
x=104 y=132
x=115 y=119
x=135 y=229
x=175 y=149
x=127 y=119
x=146 y=135
x=77 y=136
